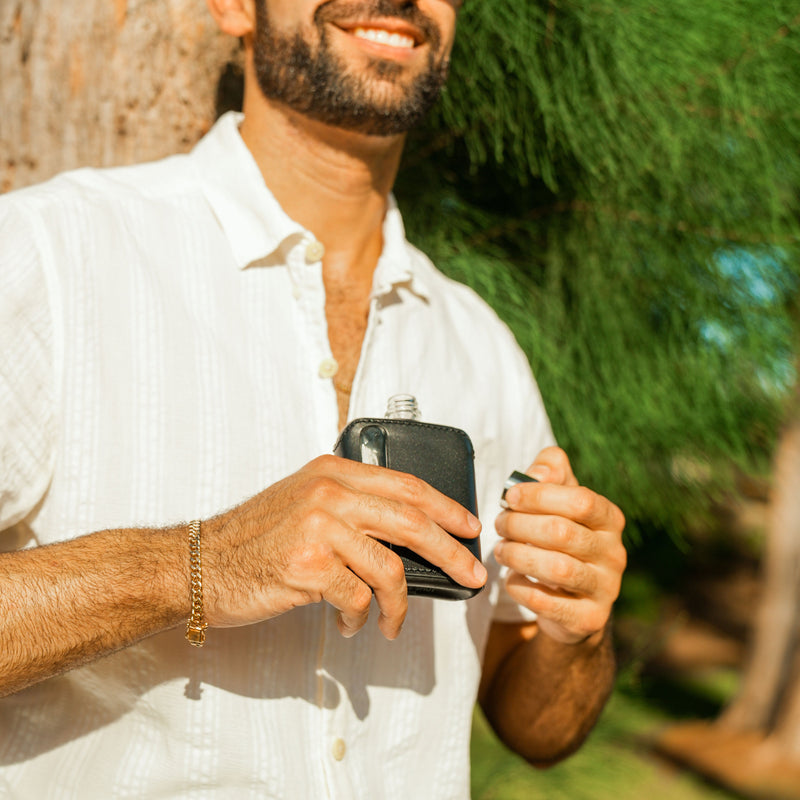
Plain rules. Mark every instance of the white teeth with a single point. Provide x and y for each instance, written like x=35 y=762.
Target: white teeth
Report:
x=384 y=37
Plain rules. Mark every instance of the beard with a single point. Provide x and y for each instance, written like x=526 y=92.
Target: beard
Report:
x=379 y=101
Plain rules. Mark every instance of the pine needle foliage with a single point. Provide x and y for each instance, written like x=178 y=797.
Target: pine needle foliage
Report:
x=620 y=179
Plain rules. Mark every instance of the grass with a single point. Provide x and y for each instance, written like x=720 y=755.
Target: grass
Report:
x=616 y=762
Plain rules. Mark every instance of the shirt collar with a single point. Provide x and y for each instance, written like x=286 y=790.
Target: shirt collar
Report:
x=397 y=263
x=255 y=224
x=251 y=218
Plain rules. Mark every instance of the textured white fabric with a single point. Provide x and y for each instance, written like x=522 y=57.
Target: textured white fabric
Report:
x=161 y=335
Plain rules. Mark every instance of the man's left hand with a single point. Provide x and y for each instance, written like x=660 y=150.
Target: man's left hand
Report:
x=568 y=539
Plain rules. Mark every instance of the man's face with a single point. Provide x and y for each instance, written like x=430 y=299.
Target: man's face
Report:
x=372 y=66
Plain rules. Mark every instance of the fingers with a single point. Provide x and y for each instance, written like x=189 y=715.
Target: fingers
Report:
x=576 y=503
x=379 y=568
x=402 y=510
x=562 y=553
x=409 y=527
x=563 y=546
x=352 y=508
x=343 y=567
x=402 y=488
x=351 y=597
x=552 y=465
x=558 y=570
x=317 y=535
x=565 y=618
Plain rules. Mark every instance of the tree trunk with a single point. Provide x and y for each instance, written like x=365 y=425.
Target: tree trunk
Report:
x=787 y=506
x=787 y=731
x=104 y=82
x=772 y=675
x=754 y=748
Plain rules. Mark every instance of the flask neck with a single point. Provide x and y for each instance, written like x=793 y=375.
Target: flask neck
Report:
x=402 y=406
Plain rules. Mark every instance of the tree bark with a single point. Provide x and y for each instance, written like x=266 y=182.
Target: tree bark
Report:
x=771 y=674
x=787 y=730
x=769 y=700
x=754 y=748
x=104 y=82
x=787 y=727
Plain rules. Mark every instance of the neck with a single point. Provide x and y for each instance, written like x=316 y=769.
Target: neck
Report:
x=333 y=182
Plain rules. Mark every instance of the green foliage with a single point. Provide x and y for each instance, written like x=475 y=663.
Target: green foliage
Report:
x=620 y=180
x=614 y=764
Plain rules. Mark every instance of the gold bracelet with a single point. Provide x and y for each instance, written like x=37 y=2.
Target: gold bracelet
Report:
x=195 y=627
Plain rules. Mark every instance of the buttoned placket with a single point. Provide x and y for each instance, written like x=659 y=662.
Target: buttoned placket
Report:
x=336 y=734
x=305 y=270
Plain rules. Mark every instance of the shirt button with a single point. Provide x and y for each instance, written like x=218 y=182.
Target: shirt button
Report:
x=328 y=367
x=339 y=749
x=314 y=251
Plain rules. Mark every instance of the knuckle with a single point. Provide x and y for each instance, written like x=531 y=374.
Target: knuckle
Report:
x=395 y=571
x=563 y=569
x=621 y=558
x=617 y=519
x=615 y=588
x=562 y=532
x=583 y=502
x=592 y=622
x=314 y=555
x=323 y=488
x=413 y=520
x=613 y=582
x=315 y=522
x=411 y=487
x=323 y=463
x=455 y=550
x=361 y=599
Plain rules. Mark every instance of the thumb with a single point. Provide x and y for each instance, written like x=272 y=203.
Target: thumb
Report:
x=552 y=466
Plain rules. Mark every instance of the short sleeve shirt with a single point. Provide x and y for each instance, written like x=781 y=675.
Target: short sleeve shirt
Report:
x=163 y=357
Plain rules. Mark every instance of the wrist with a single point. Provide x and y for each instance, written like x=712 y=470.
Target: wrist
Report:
x=587 y=645
x=166 y=560
x=196 y=624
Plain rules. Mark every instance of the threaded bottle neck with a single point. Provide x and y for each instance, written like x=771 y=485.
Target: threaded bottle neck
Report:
x=402 y=406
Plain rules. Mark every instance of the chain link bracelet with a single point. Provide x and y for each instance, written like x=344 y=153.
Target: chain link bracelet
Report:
x=195 y=627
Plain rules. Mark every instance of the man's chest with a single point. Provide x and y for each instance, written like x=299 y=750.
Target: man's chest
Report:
x=188 y=385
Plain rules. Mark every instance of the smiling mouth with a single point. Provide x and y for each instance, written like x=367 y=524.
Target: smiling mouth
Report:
x=381 y=36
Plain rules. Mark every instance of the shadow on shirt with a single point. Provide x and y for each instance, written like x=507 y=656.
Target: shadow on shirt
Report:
x=299 y=655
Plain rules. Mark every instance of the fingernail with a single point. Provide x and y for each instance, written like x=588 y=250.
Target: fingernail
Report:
x=540 y=472
x=498 y=548
x=474 y=522
x=480 y=573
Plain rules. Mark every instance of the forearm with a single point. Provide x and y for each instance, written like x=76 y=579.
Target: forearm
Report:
x=67 y=604
x=546 y=696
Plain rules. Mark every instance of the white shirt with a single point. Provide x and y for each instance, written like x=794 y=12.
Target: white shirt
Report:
x=163 y=356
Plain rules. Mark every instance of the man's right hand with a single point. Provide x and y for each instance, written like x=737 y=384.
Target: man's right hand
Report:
x=307 y=538
x=313 y=536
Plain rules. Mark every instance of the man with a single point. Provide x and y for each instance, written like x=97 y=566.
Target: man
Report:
x=178 y=336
